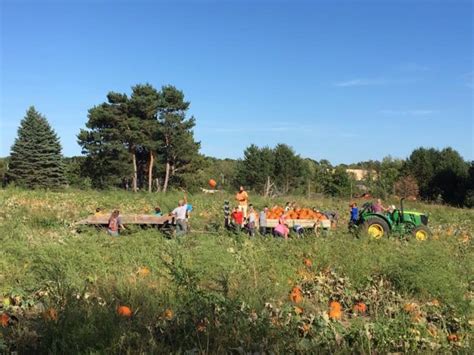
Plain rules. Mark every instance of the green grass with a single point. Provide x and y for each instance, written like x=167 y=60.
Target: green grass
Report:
x=228 y=293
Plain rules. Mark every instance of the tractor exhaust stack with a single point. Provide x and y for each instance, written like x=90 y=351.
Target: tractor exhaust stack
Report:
x=401 y=209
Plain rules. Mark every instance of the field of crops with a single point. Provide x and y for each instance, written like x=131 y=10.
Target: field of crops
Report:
x=64 y=290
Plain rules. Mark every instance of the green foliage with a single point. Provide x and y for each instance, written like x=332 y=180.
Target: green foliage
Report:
x=224 y=292
x=440 y=174
x=256 y=168
x=3 y=170
x=138 y=137
x=339 y=183
x=35 y=159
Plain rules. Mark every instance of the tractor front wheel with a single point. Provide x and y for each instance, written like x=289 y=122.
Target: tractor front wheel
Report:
x=421 y=233
x=376 y=228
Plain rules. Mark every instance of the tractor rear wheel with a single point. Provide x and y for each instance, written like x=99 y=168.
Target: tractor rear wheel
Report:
x=421 y=233
x=376 y=228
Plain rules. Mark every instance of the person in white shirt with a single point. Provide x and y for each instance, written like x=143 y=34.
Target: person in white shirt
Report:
x=179 y=214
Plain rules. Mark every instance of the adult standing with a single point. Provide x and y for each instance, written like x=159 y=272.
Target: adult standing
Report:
x=179 y=214
x=243 y=198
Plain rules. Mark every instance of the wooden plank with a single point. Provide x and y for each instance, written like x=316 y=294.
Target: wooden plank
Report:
x=305 y=223
x=128 y=219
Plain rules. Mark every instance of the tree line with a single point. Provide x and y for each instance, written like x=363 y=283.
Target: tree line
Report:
x=145 y=141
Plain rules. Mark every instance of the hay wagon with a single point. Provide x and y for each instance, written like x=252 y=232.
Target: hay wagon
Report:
x=315 y=225
x=163 y=223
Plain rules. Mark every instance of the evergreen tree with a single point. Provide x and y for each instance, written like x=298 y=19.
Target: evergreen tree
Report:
x=35 y=159
x=110 y=143
x=177 y=147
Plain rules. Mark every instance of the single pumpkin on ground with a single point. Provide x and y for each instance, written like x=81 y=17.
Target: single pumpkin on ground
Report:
x=124 y=311
x=296 y=295
x=335 y=310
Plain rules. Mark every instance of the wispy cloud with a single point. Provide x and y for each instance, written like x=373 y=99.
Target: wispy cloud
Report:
x=373 y=82
x=413 y=67
x=415 y=112
x=304 y=129
x=361 y=82
x=470 y=80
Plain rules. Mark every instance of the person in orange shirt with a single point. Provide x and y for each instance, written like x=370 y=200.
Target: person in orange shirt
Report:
x=243 y=199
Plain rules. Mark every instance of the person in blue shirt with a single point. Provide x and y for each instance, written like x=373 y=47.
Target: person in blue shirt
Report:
x=354 y=213
x=158 y=211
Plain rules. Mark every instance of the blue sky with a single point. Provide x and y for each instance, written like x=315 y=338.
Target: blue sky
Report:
x=341 y=80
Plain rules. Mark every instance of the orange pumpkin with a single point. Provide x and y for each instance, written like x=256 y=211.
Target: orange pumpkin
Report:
x=50 y=314
x=201 y=326
x=296 y=295
x=168 y=314
x=453 y=337
x=410 y=307
x=298 y=310
x=124 y=311
x=143 y=271
x=308 y=263
x=212 y=183
x=360 y=307
x=4 y=319
x=335 y=310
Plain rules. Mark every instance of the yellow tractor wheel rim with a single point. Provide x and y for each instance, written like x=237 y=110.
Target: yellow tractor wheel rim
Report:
x=376 y=231
x=421 y=235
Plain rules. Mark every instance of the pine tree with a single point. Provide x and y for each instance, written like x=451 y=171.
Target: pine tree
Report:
x=178 y=147
x=35 y=159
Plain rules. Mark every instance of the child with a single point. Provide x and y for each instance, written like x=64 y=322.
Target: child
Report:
x=281 y=231
x=115 y=224
x=237 y=219
x=354 y=213
x=263 y=221
x=226 y=214
x=299 y=230
x=252 y=219
x=158 y=211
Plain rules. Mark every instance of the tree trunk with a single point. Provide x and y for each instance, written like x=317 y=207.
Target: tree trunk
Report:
x=167 y=176
x=150 y=172
x=267 y=187
x=158 y=185
x=135 y=174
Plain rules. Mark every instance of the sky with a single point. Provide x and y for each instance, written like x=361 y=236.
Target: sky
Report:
x=346 y=81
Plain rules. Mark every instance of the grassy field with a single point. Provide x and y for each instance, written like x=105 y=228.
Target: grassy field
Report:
x=216 y=292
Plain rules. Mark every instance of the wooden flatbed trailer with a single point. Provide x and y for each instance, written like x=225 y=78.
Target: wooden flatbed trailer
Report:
x=164 y=223
x=315 y=225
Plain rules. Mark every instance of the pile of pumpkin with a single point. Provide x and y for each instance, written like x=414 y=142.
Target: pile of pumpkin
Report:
x=297 y=213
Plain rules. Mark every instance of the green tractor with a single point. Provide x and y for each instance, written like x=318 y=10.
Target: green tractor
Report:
x=401 y=222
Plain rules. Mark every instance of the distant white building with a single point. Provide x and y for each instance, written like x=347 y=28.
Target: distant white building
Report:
x=361 y=174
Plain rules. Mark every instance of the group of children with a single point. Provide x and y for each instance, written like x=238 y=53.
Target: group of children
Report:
x=245 y=219
x=237 y=220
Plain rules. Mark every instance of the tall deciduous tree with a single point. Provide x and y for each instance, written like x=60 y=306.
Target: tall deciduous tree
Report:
x=36 y=160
